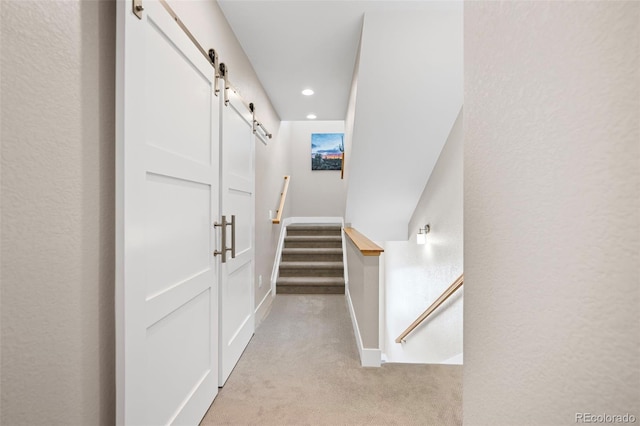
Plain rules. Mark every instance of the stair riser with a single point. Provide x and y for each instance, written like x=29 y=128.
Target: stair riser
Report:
x=310 y=281
x=311 y=272
x=312 y=244
x=311 y=257
x=294 y=289
x=312 y=233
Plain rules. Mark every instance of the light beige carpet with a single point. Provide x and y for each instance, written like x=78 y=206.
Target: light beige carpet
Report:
x=302 y=368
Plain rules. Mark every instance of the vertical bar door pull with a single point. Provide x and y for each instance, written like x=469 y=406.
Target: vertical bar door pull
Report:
x=233 y=236
x=223 y=238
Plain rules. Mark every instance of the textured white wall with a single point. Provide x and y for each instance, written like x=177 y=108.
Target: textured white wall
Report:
x=205 y=20
x=349 y=121
x=58 y=109
x=416 y=275
x=319 y=192
x=551 y=211
x=272 y=164
x=363 y=289
x=409 y=92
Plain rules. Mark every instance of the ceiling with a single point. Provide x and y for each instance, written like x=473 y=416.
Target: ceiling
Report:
x=408 y=90
x=294 y=45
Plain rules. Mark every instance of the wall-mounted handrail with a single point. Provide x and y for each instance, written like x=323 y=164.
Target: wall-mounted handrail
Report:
x=439 y=301
x=283 y=197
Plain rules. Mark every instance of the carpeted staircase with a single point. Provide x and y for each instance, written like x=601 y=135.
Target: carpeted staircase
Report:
x=311 y=260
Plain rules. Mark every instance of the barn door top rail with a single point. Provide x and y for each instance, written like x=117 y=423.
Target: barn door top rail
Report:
x=220 y=69
x=183 y=27
x=258 y=128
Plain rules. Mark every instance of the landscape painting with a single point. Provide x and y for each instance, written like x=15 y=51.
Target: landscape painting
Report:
x=326 y=151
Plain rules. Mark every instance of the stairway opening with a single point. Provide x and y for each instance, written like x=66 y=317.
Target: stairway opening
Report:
x=312 y=260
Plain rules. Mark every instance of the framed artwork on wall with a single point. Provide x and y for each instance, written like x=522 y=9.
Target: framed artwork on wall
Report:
x=327 y=151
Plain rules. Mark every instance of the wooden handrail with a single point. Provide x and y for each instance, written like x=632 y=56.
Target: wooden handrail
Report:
x=439 y=301
x=283 y=197
x=365 y=245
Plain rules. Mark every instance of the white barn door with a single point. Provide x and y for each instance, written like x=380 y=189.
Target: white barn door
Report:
x=237 y=199
x=167 y=200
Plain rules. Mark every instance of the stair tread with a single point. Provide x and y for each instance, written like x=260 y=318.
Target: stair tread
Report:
x=311 y=281
x=311 y=264
x=313 y=238
x=311 y=226
x=305 y=250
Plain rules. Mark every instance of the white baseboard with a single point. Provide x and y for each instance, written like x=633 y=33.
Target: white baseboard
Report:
x=276 y=261
x=369 y=357
x=263 y=308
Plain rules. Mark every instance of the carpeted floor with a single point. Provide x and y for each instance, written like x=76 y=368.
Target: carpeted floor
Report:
x=302 y=368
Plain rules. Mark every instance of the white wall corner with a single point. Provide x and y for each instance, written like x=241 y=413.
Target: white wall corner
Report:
x=369 y=357
x=344 y=258
x=382 y=303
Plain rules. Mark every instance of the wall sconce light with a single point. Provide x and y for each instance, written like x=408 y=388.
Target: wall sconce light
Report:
x=421 y=238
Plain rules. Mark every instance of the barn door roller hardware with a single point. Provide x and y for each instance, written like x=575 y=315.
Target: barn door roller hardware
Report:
x=224 y=73
x=137 y=8
x=263 y=133
x=213 y=57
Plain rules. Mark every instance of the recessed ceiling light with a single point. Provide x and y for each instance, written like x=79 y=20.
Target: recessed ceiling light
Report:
x=311 y=116
x=307 y=92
